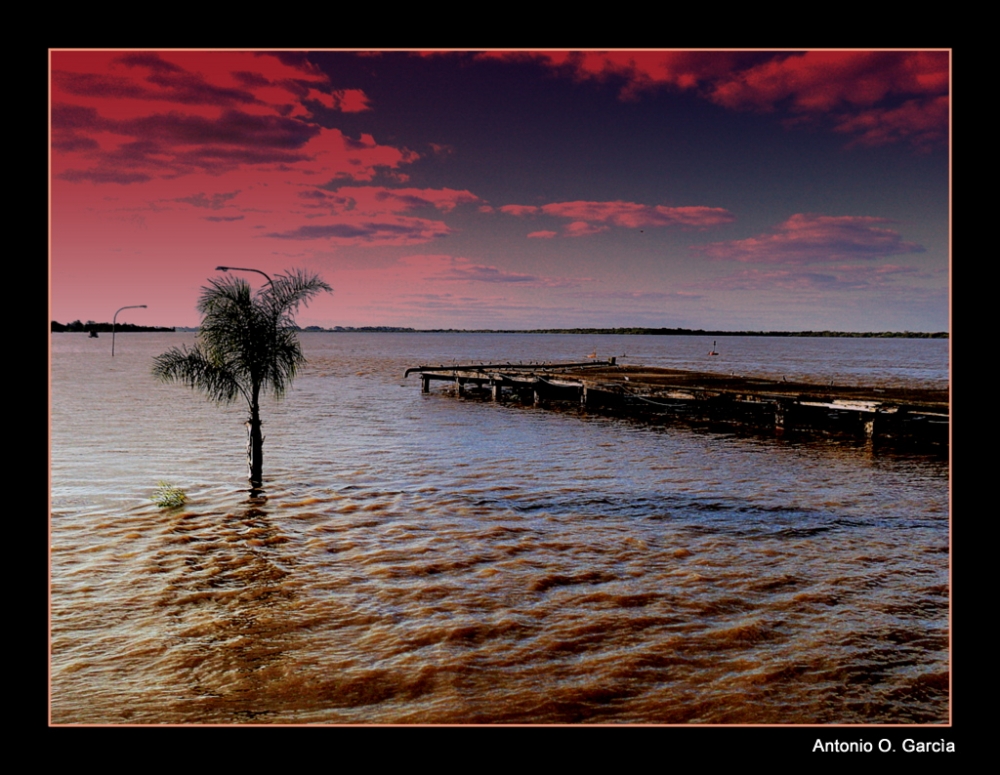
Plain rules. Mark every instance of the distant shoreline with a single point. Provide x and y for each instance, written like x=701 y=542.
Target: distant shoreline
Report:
x=634 y=331
x=76 y=327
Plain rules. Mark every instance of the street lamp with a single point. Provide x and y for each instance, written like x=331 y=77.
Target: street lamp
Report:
x=114 y=322
x=242 y=269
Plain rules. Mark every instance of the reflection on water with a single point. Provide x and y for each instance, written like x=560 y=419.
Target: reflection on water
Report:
x=421 y=559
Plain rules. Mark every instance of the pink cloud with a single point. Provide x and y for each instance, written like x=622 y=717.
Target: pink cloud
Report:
x=520 y=209
x=582 y=229
x=366 y=216
x=543 y=234
x=368 y=231
x=438 y=291
x=837 y=278
x=807 y=238
x=595 y=217
x=456 y=268
x=485 y=311
x=642 y=296
x=635 y=216
x=922 y=122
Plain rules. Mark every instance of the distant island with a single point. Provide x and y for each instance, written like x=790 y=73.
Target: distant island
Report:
x=90 y=325
x=76 y=326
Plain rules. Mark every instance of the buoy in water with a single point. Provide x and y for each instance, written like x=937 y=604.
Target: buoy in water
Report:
x=712 y=351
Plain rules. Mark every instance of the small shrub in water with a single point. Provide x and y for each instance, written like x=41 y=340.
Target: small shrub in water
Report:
x=167 y=496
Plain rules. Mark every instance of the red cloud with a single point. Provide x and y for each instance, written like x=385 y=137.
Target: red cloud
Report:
x=202 y=82
x=349 y=100
x=806 y=238
x=639 y=70
x=543 y=234
x=820 y=81
x=378 y=199
x=134 y=117
x=854 y=86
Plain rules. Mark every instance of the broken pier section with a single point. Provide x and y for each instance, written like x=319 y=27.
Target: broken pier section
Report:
x=902 y=413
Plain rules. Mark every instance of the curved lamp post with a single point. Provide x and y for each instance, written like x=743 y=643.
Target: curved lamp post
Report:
x=114 y=322
x=243 y=269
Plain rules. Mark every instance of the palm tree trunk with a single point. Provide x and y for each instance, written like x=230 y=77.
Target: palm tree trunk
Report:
x=255 y=447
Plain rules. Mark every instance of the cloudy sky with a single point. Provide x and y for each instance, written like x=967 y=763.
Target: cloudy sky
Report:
x=710 y=189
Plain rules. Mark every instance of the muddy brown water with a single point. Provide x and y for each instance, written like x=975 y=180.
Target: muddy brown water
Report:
x=419 y=559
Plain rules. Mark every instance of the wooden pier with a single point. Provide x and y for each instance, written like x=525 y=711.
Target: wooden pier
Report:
x=871 y=412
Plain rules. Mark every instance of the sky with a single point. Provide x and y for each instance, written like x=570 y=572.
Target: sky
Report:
x=721 y=190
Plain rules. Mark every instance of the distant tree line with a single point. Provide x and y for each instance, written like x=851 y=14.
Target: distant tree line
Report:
x=90 y=325
x=76 y=326
x=389 y=329
x=700 y=332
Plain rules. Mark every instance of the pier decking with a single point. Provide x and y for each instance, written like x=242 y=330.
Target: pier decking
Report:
x=889 y=412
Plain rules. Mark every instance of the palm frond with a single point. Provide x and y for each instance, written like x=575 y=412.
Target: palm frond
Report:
x=196 y=370
x=247 y=343
x=288 y=291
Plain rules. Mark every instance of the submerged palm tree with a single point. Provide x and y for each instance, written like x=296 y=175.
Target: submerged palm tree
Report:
x=247 y=345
